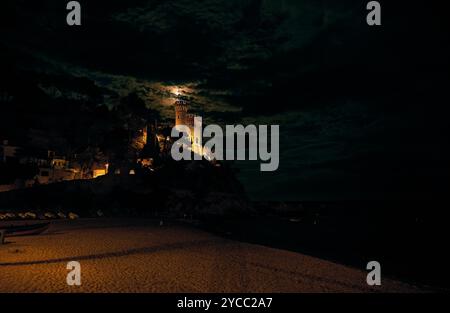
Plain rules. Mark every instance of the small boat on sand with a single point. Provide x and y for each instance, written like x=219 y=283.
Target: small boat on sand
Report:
x=25 y=230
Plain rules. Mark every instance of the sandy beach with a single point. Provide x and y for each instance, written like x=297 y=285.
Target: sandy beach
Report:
x=129 y=255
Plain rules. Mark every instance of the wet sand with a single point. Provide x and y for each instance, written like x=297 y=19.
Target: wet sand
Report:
x=129 y=255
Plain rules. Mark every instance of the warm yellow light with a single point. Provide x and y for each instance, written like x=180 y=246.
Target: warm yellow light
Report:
x=97 y=173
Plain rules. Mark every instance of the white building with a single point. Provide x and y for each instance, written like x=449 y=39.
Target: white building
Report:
x=7 y=151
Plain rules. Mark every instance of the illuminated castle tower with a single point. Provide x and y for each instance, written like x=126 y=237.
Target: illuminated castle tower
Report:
x=181 y=108
x=182 y=117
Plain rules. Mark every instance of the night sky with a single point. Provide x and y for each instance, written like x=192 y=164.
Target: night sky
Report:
x=362 y=110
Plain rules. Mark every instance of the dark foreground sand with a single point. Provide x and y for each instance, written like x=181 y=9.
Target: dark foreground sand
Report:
x=139 y=256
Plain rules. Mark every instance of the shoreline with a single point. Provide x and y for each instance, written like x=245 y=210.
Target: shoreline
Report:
x=134 y=255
